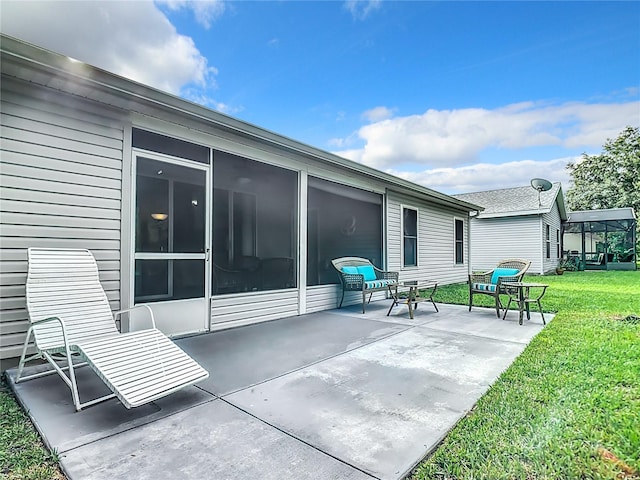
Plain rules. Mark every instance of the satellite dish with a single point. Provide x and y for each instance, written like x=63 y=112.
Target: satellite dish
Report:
x=540 y=185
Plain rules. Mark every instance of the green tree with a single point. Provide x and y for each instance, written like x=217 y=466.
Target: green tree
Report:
x=610 y=179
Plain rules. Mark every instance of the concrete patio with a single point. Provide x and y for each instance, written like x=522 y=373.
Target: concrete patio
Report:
x=330 y=395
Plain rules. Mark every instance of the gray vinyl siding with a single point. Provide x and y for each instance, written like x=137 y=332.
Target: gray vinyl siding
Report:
x=436 y=241
x=61 y=169
x=327 y=297
x=252 y=307
x=495 y=239
x=553 y=219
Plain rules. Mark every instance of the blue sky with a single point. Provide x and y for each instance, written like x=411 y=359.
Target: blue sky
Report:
x=457 y=96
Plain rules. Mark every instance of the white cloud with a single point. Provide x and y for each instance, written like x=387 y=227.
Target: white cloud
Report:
x=456 y=137
x=377 y=114
x=204 y=11
x=487 y=176
x=360 y=9
x=132 y=39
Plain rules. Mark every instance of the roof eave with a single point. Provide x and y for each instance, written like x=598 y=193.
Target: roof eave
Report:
x=122 y=87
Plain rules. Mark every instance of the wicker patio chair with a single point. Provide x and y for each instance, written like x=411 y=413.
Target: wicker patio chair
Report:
x=490 y=283
x=360 y=275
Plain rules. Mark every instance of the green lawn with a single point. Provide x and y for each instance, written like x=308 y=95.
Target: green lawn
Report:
x=22 y=454
x=569 y=406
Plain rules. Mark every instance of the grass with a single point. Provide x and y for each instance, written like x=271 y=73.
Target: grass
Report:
x=569 y=406
x=22 y=454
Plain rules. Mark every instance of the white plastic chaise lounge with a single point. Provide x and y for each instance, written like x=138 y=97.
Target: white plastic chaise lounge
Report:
x=70 y=318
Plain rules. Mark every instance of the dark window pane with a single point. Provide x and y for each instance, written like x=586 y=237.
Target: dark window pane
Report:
x=254 y=225
x=341 y=221
x=459 y=252
x=459 y=242
x=189 y=218
x=410 y=252
x=410 y=229
x=169 y=146
x=459 y=230
x=152 y=214
x=163 y=280
x=170 y=208
x=410 y=222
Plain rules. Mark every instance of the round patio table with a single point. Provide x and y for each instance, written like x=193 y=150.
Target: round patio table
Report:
x=521 y=293
x=413 y=296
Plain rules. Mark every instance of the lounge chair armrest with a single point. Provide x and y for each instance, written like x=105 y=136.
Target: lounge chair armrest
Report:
x=54 y=319
x=142 y=305
x=49 y=319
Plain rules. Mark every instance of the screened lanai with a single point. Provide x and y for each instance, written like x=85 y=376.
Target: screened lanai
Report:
x=601 y=239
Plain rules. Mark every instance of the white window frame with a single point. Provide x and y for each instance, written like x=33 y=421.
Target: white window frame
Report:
x=455 y=242
x=402 y=236
x=547 y=240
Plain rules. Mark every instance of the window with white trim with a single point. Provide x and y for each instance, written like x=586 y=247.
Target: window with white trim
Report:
x=547 y=236
x=409 y=237
x=459 y=241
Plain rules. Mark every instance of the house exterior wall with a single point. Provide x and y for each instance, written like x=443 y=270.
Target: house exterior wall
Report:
x=67 y=176
x=436 y=241
x=554 y=221
x=495 y=239
x=61 y=187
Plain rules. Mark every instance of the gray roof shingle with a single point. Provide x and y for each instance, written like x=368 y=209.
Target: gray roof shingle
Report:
x=513 y=201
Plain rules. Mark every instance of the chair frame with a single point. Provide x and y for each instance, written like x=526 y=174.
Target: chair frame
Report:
x=485 y=278
x=354 y=282
x=174 y=369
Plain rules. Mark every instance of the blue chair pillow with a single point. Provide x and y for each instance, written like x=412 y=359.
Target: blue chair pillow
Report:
x=350 y=270
x=503 y=272
x=368 y=272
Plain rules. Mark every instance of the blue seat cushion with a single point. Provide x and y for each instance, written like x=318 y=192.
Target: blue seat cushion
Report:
x=350 y=270
x=368 y=272
x=485 y=287
x=377 y=284
x=503 y=272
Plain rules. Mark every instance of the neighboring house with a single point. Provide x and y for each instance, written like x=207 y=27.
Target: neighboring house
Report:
x=515 y=224
x=214 y=222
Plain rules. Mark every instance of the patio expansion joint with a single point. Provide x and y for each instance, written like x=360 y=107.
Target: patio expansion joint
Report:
x=133 y=427
x=301 y=440
x=393 y=334
x=471 y=335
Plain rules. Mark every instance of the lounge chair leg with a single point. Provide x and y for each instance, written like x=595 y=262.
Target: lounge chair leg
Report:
x=498 y=306
x=341 y=299
x=364 y=300
x=24 y=353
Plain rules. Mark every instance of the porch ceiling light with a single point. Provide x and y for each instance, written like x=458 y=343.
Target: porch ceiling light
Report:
x=159 y=216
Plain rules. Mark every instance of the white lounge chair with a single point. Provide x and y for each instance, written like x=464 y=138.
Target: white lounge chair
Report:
x=70 y=318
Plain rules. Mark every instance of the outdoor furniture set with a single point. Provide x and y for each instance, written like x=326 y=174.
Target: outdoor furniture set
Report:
x=360 y=275
x=72 y=324
x=506 y=279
